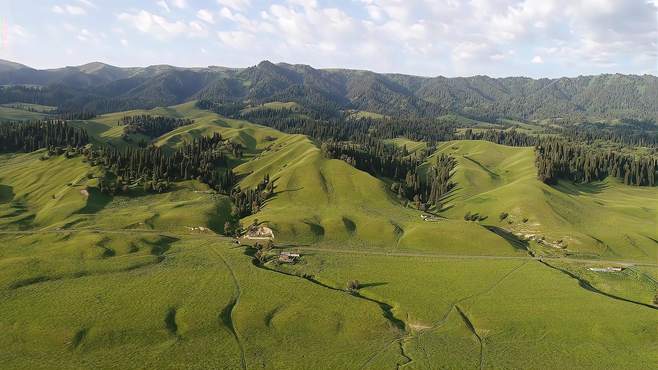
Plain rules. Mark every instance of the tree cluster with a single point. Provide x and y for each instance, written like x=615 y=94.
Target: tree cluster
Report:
x=325 y=123
x=630 y=133
x=74 y=115
x=560 y=159
x=502 y=137
x=34 y=135
x=151 y=126
x=249 y=201
x=204 y=159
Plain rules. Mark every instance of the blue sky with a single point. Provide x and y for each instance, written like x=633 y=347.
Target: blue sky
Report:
x=537 y=38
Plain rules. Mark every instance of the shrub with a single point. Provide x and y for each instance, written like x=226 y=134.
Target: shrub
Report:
x=353 y=286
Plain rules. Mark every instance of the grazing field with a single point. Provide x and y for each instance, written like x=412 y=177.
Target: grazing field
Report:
x=170 y=303
x=11 y=112
x=605 y=219
x=145 y=280
x=495 y=312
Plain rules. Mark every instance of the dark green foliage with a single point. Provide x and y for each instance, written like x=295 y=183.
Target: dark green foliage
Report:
x=249 y=201
x=30 y=136
x=474 y=217
x=360 y=143
x=389 y=161
x=353 y=286
x=223 y=108
x=325 y=124
x=79 y=115
x=629 y=132
x=330 y=91
x=561 y=159
x=152 y=126
x=509 y=138
x=204 y=159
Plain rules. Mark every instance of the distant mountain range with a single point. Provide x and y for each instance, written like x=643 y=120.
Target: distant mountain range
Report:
x=102 y=88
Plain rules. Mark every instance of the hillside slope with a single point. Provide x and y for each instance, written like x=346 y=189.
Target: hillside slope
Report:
x=606 y=219
x=102 y=88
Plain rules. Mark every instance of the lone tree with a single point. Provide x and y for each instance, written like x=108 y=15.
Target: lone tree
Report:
x=261 y=256
x=353 y=286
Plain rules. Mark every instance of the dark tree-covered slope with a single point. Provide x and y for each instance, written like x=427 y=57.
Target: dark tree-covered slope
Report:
x=102 y=88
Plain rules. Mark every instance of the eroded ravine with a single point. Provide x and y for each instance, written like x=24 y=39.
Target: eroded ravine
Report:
x=226 y=314
x=387 y=310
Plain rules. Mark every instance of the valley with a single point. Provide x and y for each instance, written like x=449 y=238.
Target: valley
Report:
x=149 y=279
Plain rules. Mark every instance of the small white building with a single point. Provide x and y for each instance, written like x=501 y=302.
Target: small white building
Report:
x=288 y=257
x=606 y=269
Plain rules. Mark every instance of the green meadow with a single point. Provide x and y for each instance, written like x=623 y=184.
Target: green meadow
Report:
x=144 y=280
x=23 y=111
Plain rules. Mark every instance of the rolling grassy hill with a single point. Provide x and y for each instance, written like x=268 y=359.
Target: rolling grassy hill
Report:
x=61 y=193
x=605 y=219
x=12 y=112
x=89 y=280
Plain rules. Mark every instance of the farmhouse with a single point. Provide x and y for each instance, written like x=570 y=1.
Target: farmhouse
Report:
x=260 y=233
x=606 y=269
x=287 y=257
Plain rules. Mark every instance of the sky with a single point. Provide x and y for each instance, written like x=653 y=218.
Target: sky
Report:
x=535 y=38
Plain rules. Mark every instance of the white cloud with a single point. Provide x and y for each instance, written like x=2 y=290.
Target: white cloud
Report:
x=205 y=16
x=84 y=35
x=163 y=4
x=497 y=37
x=68 y=9
x=15 y=33
x=236 y=39
x=124 y=42
x=235 y=4
x=537 y=60
x=87 y=3
x=197 y=29
x=154 y=25
x=180 y=4
x=87 y=36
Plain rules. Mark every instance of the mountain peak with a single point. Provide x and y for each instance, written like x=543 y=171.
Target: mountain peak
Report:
x=266 y=64
x=7 y=65
x=94 y=67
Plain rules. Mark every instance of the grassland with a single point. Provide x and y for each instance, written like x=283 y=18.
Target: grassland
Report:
x=273 y=106
x=172 y=304
x=130 y=281
x=604 y=219
x=23 y=112
x=502 y=314
x=358 y=114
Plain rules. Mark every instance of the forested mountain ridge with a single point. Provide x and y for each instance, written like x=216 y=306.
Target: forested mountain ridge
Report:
x=101 y=88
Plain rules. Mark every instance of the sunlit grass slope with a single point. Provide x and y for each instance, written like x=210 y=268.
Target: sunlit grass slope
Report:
x=605 y=219
x=58 y=192
x=160 y=295
x=328 y=201
x=10 y=113
x=525 y=314
x=170 y=303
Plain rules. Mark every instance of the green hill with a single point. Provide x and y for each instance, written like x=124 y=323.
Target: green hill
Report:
x=147 y=280
x=493 y=179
